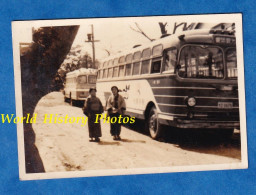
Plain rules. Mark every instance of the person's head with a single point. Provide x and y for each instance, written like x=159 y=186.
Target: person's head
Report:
x=92 y=91
x=114 y=90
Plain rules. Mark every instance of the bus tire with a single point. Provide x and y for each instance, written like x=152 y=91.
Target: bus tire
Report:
x=227 y=134
x=65 y=99
x=72 y=102
x=154 y=127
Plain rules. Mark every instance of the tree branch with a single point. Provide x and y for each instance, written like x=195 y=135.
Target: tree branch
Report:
x=139 y=30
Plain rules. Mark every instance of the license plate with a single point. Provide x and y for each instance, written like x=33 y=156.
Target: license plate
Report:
x=225 y=105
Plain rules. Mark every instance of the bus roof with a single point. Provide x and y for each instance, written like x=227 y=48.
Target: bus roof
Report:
x=174 y=39
x=82 y=71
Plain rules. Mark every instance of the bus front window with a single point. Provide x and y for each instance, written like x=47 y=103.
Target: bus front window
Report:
x=201 y=61
x=231 y=63
x=81 y=79
x=92 y=79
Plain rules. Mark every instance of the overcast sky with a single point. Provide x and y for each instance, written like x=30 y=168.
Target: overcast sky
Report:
x=114 y=34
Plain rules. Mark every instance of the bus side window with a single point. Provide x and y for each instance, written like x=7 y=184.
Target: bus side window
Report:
x=136 y=68
x=156 y=62
x=105 y=73
x=101 y=74
x=121 y=71
x=110 y=72
x=128 y=69
x=170 y=57
x=145 y=66
x=156 y=65
x=98 y=74
x=115 y=74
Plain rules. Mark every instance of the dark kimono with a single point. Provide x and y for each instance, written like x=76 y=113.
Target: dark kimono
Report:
x=93 y=106
x=119 y=104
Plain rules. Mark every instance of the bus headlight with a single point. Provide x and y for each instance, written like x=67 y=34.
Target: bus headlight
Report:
x=190 y=101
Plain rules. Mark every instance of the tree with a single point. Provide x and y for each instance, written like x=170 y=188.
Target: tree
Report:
x=39 y=65
x=139 y=30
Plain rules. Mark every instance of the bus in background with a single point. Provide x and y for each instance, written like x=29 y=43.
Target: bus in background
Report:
x=188 y=80
x=78 y=83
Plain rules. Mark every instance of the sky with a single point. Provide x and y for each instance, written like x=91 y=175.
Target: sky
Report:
x=114 y=34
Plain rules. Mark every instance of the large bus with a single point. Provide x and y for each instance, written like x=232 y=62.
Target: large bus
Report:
x=78 y=83
x=188 y=80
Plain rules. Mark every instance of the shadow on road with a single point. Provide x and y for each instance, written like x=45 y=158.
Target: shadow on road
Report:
x=133 y=141
x=108 y=143
x=201 y=141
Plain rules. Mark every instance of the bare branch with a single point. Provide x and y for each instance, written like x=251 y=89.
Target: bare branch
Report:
x=139 y=30
x=107 y=51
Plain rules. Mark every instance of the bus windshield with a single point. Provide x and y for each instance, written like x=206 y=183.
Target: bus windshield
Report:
x=92 y=79
x=81 y=79
x=201 y=61
x=231 y=63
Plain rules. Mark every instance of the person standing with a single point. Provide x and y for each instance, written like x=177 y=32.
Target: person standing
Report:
x=93 y=106
x=115 y=107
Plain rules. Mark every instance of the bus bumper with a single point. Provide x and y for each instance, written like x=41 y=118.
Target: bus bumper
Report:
x=201 y=124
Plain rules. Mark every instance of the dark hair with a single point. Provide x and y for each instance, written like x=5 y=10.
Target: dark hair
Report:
x=91 y=89
x=114 y=87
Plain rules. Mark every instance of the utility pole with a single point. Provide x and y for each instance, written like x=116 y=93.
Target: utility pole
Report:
x=91 y=39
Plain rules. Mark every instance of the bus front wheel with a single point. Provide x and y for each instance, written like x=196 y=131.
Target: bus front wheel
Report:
x=72 y=102
x=65 y=99
x=153 y=124
x=226 y=134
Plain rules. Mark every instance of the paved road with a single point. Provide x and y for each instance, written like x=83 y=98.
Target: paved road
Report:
x=66 y=147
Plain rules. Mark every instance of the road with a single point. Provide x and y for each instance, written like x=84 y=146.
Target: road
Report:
x=66 y=147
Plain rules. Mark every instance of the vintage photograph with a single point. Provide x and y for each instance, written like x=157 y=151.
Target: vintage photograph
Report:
x=129 y=95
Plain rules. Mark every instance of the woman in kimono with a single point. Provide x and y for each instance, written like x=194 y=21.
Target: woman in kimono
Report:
x=115 y=107
x=93 y=106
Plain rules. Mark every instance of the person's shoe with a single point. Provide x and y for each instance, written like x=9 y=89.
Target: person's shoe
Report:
x=118 y=138
x=97 y=139
x=91 y=140
x=114 y=137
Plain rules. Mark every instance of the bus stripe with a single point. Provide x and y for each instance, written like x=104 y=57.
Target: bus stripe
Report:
x=184 y=88
x=199 y=97
x=175 y=105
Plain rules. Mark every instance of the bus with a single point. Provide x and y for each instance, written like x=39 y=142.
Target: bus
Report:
x=185 y=81
x=78 y=83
